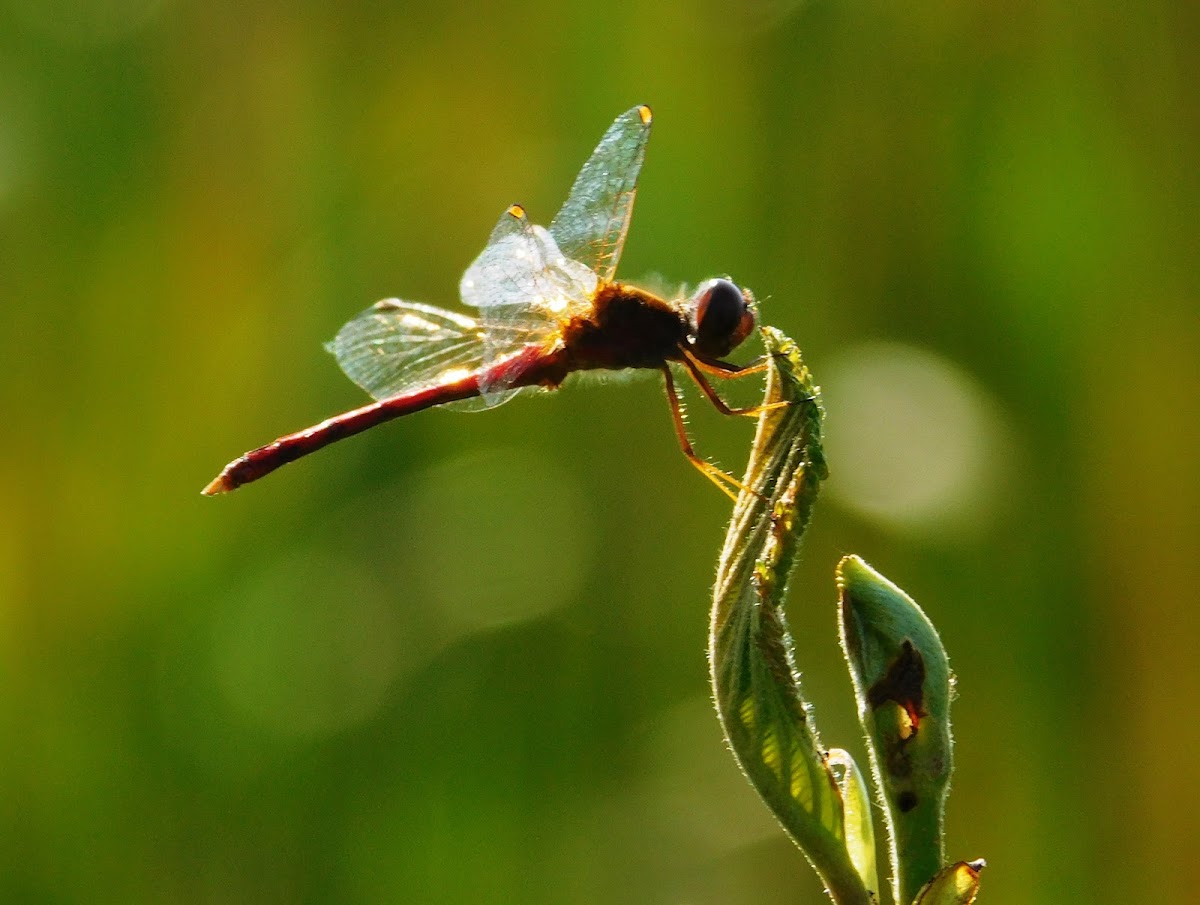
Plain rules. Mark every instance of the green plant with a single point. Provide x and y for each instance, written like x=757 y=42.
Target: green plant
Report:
x=899 y=668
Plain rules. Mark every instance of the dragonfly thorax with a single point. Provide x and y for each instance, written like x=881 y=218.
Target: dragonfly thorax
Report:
x=627 y=327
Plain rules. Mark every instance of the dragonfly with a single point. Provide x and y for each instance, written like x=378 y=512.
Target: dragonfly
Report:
x=548 y=305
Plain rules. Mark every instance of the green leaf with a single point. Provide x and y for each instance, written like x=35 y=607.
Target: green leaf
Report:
x=957 y=884
x=756 y=685
x=856 y=813
x=903 y=684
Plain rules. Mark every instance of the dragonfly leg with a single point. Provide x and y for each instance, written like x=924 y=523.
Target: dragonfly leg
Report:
x=722 y=479
x=695 y=369
x=728 y=369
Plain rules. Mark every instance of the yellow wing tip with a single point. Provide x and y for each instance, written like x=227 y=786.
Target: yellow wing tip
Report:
x=645 y=113
x=516 y=211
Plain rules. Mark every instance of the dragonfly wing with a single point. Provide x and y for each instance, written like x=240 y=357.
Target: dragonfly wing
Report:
x=591 y=226
x=526 y=290
x=395 y=347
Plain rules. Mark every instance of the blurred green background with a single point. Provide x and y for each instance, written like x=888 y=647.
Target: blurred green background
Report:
x=461 y=658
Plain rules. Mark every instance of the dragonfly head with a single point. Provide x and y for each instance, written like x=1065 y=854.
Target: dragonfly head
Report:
x=721 y=316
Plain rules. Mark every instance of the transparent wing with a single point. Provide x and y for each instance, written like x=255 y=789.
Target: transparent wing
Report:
x=526 y=290
x=591 y=226
x=395 y=347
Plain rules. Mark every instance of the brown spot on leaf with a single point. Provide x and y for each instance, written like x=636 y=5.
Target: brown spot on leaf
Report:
x=904 y=685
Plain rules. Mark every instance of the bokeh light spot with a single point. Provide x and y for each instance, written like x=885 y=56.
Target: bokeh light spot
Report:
x=912 y=440
x=493 y=538
x=308 y=648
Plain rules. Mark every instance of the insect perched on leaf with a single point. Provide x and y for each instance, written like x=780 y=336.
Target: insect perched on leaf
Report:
x=548 y=305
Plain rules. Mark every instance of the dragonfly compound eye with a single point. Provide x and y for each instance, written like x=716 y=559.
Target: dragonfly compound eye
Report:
x=721 y=317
